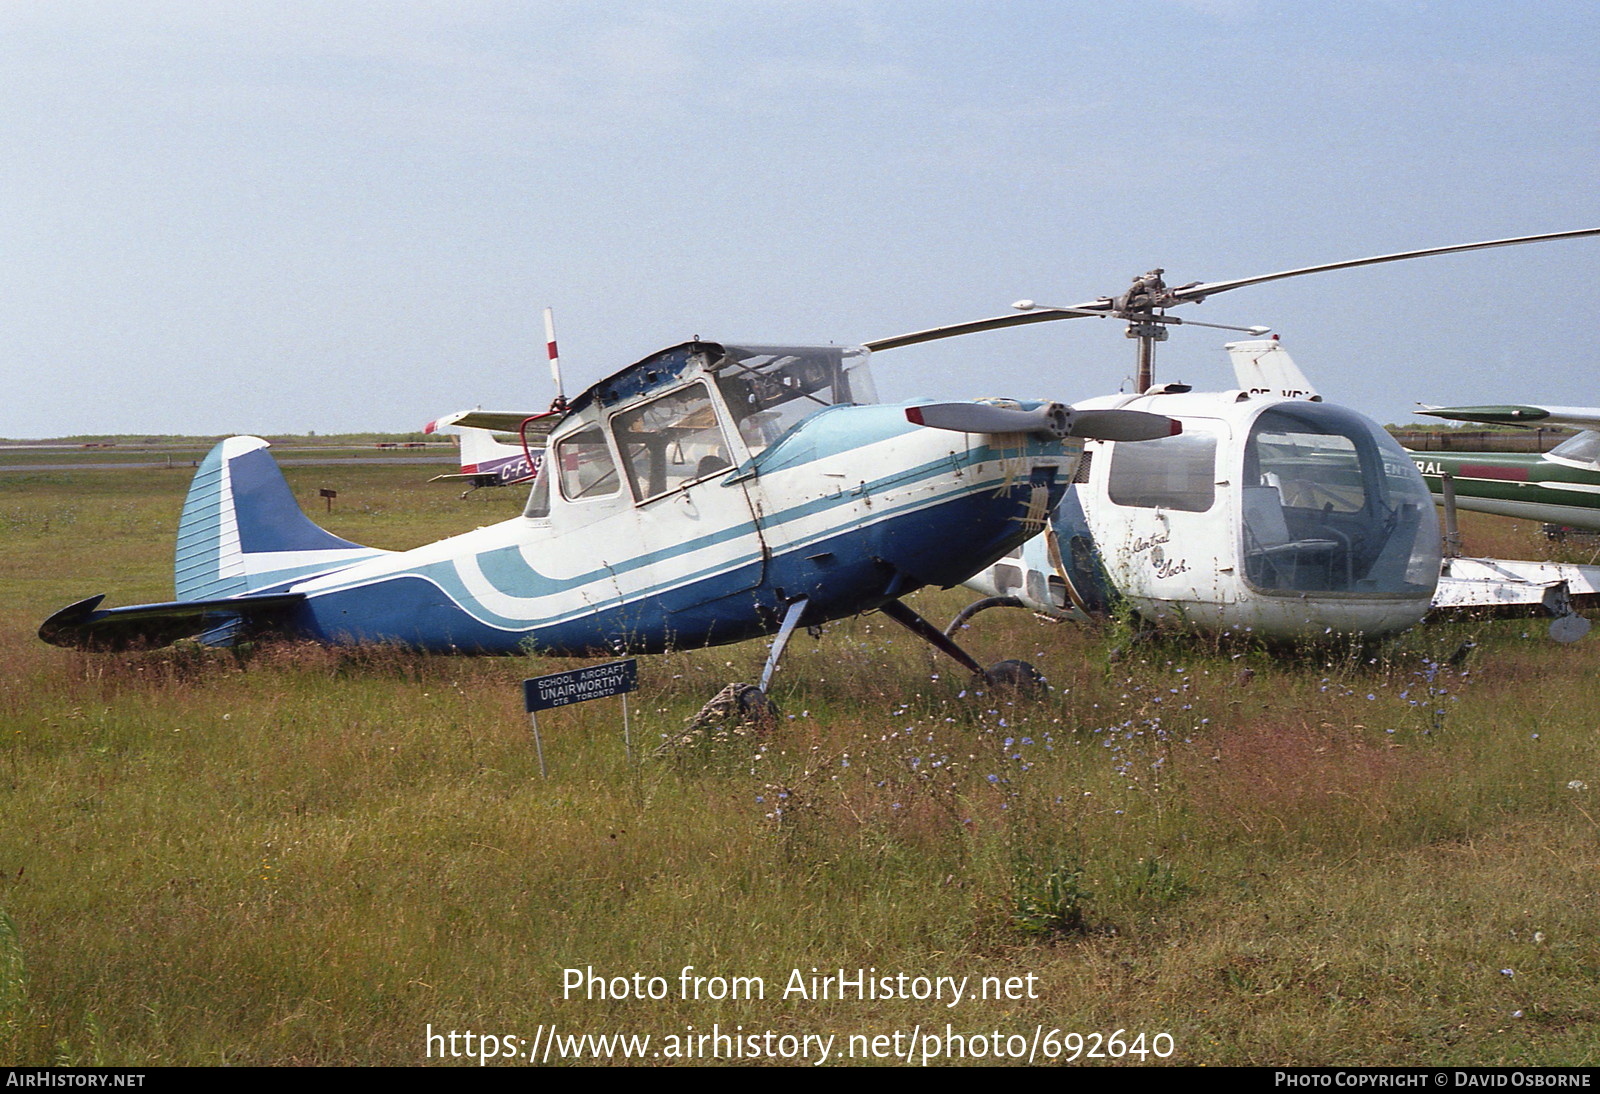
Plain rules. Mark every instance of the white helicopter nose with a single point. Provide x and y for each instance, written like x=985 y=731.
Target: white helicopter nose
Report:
x=1051 y=419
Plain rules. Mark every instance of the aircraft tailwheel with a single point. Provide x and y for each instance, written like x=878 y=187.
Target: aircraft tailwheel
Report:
x=1018 y=678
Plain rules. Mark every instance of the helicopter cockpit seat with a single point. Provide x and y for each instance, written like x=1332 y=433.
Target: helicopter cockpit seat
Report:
x=1274 y=559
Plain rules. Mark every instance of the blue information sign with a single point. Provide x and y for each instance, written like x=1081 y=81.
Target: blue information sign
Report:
x=560 y=689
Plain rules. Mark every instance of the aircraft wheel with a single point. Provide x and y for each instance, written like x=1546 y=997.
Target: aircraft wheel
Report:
x=755 y=708
x=1018 y=678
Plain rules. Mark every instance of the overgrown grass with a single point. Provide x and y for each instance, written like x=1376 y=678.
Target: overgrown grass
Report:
x=307 y=855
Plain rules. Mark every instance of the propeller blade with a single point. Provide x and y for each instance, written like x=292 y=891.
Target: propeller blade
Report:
x=1051 y=418
x=1123 y=425
x=1211 y=288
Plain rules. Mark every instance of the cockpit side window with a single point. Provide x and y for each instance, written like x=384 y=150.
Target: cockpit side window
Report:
x=584 y=465
x=671 y=441
x=770 y=389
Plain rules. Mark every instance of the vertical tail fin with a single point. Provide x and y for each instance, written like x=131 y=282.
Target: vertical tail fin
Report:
x=480 y=449
x=1264 y=367
x=242 y=532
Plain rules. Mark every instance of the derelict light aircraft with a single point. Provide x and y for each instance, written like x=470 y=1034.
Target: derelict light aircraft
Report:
x=485 y=460
x=1271 y=510
x=1559 y=487
x=706 y=494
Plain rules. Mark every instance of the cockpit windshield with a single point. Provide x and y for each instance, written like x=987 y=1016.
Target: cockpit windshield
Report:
x=770 y=389
x=1331 y=504
x=1583 y=449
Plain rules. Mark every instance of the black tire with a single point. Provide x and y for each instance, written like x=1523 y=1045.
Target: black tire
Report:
x=1018 y=678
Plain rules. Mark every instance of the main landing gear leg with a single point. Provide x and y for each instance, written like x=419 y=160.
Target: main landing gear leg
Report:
x=791 y=619
x=745 y=707
x=1018 y=675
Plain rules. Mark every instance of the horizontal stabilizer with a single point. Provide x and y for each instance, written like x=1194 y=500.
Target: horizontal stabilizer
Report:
x=86 y=626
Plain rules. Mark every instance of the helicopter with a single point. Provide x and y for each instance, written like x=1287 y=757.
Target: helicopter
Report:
x=1272 y=512
x=1560 y=487
x=706 y=494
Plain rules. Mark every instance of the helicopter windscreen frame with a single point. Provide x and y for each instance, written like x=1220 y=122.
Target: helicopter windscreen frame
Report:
x=1330 y=504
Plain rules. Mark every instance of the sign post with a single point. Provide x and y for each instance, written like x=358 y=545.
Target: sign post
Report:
x=561 y=689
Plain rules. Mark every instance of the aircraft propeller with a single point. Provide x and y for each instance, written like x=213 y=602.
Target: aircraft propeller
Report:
x=1052 y=419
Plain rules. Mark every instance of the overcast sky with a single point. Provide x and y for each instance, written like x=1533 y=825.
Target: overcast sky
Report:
x=289 y=216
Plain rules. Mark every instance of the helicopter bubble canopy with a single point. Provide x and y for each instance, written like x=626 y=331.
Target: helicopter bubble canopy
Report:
x=1291 y=518
x=1331 y=504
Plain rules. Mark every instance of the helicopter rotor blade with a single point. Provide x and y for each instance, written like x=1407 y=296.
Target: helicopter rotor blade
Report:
x=1106 y=307
x=1052 y=419
x=1100 y=309
x=1192 y=293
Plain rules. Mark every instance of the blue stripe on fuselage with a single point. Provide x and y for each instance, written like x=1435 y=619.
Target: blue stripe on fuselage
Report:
x=842 y=573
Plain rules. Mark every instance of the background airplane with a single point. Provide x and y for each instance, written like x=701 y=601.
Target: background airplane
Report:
x=1558 y=487
x=485 y=460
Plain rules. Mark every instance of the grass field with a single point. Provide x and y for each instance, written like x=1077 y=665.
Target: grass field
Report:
x=314 y=856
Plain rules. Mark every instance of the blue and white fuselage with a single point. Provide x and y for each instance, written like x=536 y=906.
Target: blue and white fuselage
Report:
x=688 y=500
